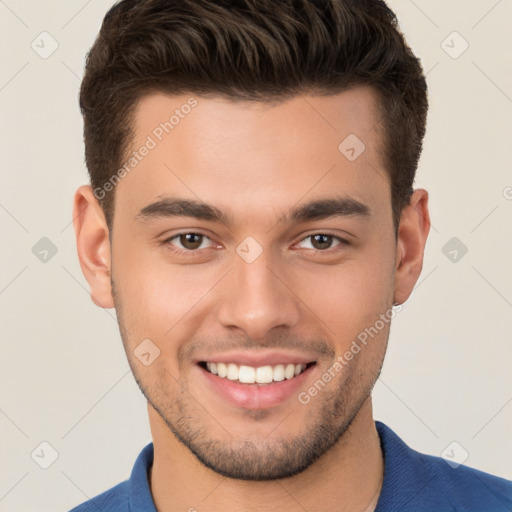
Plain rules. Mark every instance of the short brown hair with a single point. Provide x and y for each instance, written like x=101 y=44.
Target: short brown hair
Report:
x=258 y=50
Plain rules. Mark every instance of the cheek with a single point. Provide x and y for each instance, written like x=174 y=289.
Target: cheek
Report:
x=348 y=297
x=157 y=299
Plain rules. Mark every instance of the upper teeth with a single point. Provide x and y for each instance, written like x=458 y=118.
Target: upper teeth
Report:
x=260 y=375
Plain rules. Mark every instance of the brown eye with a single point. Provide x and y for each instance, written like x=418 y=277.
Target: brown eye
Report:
x=321 y=241
x=189 y=244
x=191 y=241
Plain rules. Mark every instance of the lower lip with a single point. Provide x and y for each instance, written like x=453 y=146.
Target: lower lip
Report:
x=255 y=396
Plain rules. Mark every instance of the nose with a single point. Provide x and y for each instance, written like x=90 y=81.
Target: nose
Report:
x=256 y=298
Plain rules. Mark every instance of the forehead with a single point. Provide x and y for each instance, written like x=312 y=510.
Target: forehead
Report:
x=356 y=109
x=255 y=156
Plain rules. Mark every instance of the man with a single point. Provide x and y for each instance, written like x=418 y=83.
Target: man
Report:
x=251 y=213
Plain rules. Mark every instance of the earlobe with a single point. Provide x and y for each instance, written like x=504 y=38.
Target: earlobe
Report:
x=412 y=236
x=93 y=245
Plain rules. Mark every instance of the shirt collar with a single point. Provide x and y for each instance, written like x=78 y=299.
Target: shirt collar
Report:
x=140 y=494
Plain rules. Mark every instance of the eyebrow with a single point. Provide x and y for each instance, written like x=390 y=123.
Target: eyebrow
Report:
x=315 y=210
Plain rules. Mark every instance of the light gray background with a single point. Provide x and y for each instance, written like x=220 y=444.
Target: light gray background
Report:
x=65 y=379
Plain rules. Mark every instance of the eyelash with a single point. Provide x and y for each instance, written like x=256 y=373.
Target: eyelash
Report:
x=195 y=252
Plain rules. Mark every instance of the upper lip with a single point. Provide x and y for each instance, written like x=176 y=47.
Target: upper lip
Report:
x=258 y=358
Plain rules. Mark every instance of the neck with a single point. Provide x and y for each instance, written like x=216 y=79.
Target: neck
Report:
x=346 y=478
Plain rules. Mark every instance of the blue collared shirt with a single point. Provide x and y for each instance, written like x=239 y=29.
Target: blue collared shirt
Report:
x=413 y=482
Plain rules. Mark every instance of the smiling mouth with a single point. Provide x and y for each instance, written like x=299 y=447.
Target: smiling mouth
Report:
x=255 y=375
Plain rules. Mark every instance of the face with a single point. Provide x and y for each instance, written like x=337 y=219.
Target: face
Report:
x=250 y=251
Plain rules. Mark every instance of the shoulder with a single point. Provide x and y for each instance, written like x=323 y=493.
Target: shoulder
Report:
x=115 y=499
x=415 y=481
x=464 y=488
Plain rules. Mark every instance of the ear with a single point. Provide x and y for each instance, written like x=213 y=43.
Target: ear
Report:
x=412 y=236
x=93 y=245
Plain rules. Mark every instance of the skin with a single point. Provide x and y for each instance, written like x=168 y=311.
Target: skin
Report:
x=256 y=162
